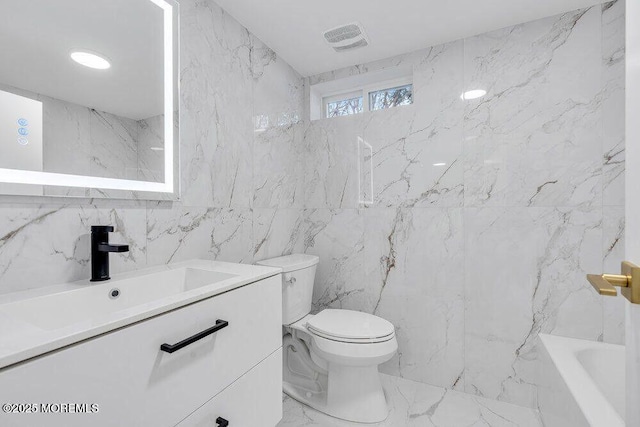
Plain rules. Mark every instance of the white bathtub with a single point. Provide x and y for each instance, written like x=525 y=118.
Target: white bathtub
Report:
x=582 y=383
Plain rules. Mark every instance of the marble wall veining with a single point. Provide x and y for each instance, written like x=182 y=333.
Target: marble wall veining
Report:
x=240 y=142
x=486 y=214
x=472 y=259
x=84 y=141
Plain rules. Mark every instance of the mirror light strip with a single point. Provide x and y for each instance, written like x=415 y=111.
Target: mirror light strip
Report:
x=168 y=92
x=16 y=176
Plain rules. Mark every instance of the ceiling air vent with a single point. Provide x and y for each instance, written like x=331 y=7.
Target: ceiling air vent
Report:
x=346 y=37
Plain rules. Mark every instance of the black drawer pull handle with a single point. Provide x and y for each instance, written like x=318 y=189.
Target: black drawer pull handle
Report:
x=222 y=422
x=170 y=348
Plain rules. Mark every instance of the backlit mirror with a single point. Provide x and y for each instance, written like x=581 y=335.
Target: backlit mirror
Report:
x=88 y=98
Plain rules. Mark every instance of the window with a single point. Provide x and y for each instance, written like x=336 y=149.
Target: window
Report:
x=387 y=98
x=373 y=97
x=344 y=107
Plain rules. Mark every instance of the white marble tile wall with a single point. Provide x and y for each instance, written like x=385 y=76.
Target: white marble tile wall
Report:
x=470 y=260
x=84 y=141
x=237 y=179
x=150 y=166
x=473 y=259
x=613 y=110
x=113 y=146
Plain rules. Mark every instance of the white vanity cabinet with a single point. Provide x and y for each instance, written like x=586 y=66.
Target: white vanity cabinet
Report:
x=253 y=400
x=134 y=383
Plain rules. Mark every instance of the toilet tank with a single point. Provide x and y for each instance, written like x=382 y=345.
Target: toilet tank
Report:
x=298 y=275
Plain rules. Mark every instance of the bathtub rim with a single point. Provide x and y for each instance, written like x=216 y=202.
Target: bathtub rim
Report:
x=595 y=406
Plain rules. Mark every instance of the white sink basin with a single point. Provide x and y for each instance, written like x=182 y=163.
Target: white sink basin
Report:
x=96 y=301
x=41 y=320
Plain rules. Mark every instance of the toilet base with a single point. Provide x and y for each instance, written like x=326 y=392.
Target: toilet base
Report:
x=352 y=394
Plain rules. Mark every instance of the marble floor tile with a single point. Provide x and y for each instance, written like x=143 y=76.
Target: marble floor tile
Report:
x=415 y=404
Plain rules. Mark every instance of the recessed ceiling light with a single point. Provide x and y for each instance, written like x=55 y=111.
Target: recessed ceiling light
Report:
x=439 y=164
x=473 y=94
x=156 y=148
x=90 y=60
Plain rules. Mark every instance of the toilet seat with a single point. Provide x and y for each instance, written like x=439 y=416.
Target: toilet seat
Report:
x=349 y=326
x=331 y=359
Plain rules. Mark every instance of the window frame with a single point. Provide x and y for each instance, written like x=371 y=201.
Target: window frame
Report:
x=364 y=91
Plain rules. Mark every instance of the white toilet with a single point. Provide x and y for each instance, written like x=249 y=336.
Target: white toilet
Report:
x=331 y=359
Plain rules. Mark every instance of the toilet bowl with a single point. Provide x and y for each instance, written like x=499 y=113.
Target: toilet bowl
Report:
x=331 y=358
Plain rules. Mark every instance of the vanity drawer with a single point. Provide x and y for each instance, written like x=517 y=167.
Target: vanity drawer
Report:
x=133 y=381
x=254 y=400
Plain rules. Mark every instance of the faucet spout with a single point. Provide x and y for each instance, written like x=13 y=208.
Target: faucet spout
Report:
x=100 y=249
x=103 y=247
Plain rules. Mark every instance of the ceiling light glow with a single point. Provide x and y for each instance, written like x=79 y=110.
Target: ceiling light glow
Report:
x=473 y=94
x=439 y=164
x=90 y=60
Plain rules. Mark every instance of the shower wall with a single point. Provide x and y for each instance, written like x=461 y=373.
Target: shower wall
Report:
x=472 y=259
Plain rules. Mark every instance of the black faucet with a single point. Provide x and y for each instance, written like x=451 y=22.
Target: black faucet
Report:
x=100 y=249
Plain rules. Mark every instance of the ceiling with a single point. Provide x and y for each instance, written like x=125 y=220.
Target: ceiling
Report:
x=294 y=28
x=36 y=37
